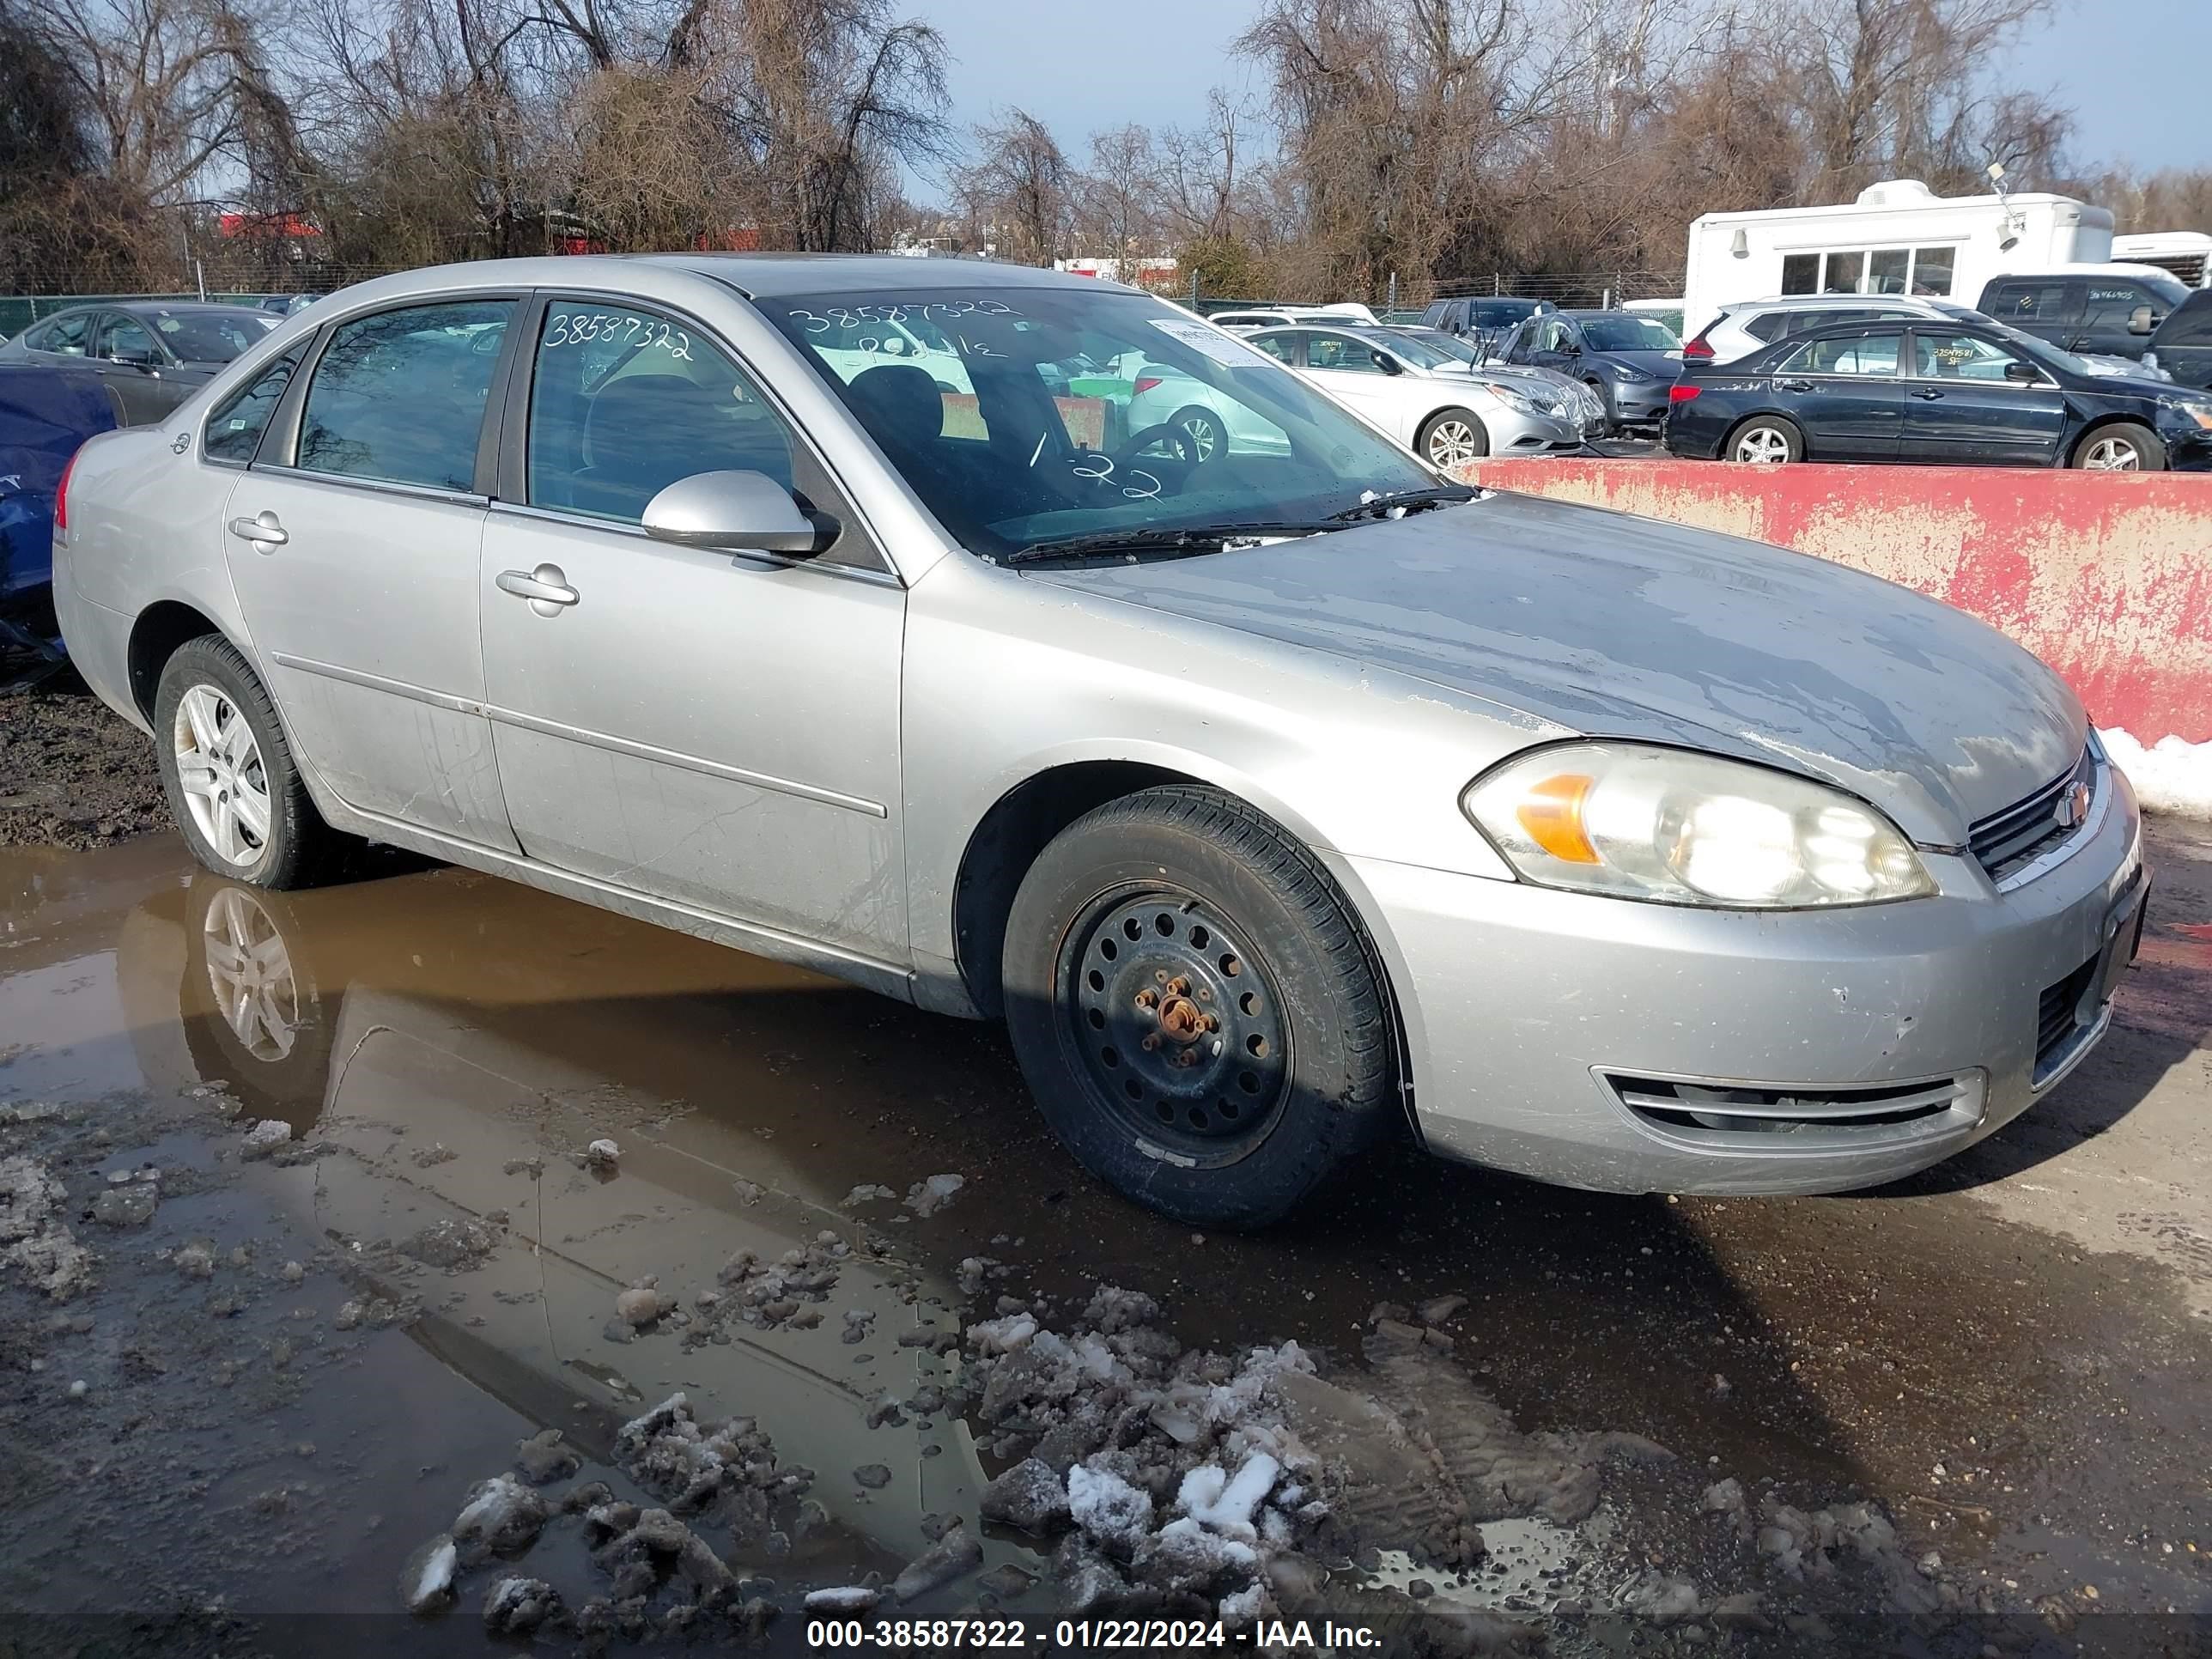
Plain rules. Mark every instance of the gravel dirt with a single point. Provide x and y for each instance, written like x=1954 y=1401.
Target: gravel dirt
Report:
x=72 y=774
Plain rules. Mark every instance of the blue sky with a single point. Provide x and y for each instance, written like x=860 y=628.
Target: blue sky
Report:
x=2134 y=73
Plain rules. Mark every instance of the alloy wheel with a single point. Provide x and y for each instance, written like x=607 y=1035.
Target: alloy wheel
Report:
x=1205 y=436
x=1177 y=1024
x=1452 y=443
x=1765 y=445
x=2112 y=455
x=219 y=766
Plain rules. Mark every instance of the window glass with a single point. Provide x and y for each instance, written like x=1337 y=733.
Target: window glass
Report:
x=400 y=396
x=1630 y=334
x=1801 y=273
x=2024 y=301
x=623 y=403
x=214 y=335
x=69 y=335
x=2107 y=305
x=1961 y=358
x=1277 y=346
x=1768 y=325
x=1842 y=273
x=1289 y=454
x=1342 y=354
x=233 y=431
x=1888 y=271
x=128 y=341
x=1931 y=270
x=1865 y=353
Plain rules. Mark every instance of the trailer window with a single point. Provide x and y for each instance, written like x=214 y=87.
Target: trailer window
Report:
x=1843 y=272
x=1801 y=273
x=1931 y=270
x=1887 y=270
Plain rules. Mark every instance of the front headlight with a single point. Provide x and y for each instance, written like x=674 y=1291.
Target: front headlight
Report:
x=1680 y=828
x=1512 y=397
x=1622 y=372
x=2194 y=409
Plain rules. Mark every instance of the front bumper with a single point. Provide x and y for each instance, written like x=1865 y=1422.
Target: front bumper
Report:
x=1514 y=434
x=1639 y=402
x=1534 y=1019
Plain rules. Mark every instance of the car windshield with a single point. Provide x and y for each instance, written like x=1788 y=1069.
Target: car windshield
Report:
x=1024 y=416
x=1421 y=353
x=199 y=336
x=1436 y=340
x=1502 y=314
x=1628 y=334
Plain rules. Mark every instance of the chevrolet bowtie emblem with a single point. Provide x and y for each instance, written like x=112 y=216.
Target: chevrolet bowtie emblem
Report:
x=2073 y=806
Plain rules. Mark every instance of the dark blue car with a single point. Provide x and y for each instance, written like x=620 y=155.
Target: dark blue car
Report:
x=1948 y=392
x=44 y=414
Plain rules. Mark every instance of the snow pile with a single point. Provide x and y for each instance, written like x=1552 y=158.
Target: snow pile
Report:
x=2170 y=776
x=788 y=1290
x=926 y=1198
x=36 y=1244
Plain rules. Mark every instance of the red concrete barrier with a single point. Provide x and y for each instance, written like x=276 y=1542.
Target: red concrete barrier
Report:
x=2107 y=578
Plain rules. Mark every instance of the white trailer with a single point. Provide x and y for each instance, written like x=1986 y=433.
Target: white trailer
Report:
x=2186 y=253
x=1899 y=237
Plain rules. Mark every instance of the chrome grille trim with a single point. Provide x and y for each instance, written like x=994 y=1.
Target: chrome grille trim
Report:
x=2017 y=844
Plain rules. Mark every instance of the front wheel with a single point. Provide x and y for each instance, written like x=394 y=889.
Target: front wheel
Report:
x=1453 y=437
x=1196 y=1012
x=1767 y=441
x=2125 y=447
x=227 y=767
x=1209 y=439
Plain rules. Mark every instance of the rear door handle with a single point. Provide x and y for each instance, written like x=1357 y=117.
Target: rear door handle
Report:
x=1927 y=394
x=546 y=588
x=262 y=529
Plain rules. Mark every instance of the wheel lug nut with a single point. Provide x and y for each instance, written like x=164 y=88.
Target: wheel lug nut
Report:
x=1148 y=999
x=1179 y=985
x=1160 y=974
x=1151 y=1041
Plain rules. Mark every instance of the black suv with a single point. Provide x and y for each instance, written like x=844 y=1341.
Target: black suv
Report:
x=2112 y=314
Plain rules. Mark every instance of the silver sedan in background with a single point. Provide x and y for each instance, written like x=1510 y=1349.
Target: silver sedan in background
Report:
x=1279 y=799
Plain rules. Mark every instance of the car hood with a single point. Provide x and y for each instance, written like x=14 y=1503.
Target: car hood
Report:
x=1614 y=626
x=1663 y=365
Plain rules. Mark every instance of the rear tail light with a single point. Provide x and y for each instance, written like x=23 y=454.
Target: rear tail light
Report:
x=1146 y=382
x=1679 y=393
x=61 y=495
x=1700 y=347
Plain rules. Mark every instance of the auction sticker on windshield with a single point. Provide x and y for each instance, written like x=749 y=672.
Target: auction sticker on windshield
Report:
x=1214 y=344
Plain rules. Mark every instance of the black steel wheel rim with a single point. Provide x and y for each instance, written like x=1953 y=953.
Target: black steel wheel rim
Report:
x=1177 y=1024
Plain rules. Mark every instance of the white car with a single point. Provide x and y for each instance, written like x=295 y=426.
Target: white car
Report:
x=1443 y=408
x=1277 y=317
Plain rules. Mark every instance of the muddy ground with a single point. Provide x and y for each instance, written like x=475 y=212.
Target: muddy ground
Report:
x=72 y=774
x=301 y=1190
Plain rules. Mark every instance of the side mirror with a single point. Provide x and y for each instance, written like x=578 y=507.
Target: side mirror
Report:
x=2141 y=321
x=2022 y=373
x=136 y=357
x=1388 y=364
x=736 y=510
x=1573 y=347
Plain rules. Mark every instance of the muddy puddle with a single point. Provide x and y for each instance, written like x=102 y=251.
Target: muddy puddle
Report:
x=760 y=1344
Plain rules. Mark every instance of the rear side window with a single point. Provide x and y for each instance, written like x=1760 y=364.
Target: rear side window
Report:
x=2026 y=301
x=64 y=334
x=2108 y=305
x=623 y=404
x=233 y=431
x=1277 y=346
x=1865 y=353
x=1768 y=325
x=400 y=396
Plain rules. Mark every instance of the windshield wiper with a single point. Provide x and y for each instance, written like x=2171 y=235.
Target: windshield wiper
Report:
x=1412 y=501
x=1190 y=540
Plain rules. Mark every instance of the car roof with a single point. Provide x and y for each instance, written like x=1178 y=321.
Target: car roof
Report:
x=1838 y=302
x=2110 y=268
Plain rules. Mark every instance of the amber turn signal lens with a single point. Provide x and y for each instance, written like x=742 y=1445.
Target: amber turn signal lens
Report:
x=1552 y=813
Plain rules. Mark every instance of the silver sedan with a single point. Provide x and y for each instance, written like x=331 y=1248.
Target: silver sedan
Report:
x=1280 y=797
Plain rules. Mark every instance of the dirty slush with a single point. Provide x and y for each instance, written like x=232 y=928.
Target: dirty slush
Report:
x=307 y=1347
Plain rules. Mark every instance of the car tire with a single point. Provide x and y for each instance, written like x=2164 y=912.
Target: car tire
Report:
x=248 y=815
x=254 y=1018
x=1452 y=437
x=1603 y=393
x=1209 y=438
x=1139 y=922
x=1765 y=440
x=2122 y=446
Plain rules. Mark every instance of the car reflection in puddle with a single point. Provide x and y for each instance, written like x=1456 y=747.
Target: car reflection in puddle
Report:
x=459 y=1084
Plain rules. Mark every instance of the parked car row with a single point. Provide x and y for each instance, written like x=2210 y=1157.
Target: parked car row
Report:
x=154 y=353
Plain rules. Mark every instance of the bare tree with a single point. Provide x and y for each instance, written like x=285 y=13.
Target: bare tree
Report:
x=1019 y=184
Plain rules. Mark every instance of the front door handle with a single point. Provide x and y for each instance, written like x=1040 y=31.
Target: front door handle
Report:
x=1928 y=395
x=546 y=589
x=1793 y=385
x=262 y=529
